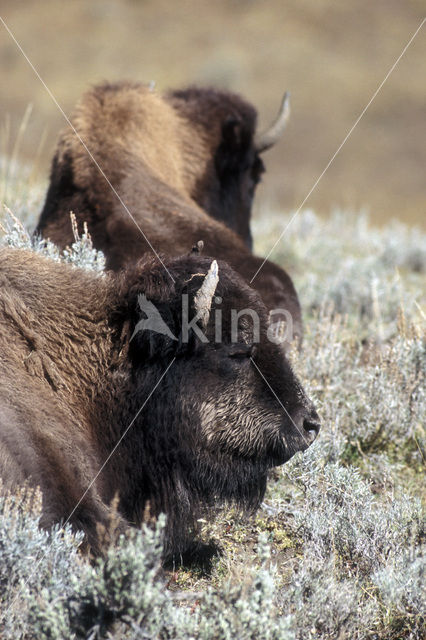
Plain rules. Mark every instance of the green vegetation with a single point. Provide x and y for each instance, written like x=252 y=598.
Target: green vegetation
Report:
x=337 y=549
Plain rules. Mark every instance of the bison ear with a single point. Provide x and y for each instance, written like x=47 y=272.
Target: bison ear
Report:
x=231 y=133
x=153 y=331
x=233 y=148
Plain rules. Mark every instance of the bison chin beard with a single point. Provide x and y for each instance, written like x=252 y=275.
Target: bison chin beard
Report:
x=200 y=489
x=284 y=450
x=231 y=479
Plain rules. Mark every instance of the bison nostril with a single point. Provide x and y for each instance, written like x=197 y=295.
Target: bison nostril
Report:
x=312 y=427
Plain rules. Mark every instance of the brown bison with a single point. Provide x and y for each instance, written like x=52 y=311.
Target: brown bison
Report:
x=96 y=404
x=159 y=173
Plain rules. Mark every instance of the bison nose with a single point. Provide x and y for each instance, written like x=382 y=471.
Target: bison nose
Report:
x=311 y=426
x=307 y=423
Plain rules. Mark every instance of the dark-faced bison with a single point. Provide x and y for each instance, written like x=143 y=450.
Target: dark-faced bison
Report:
x=180 y=422
x=163 y=172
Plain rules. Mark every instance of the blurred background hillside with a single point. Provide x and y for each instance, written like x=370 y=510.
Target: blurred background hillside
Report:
x=331 y=56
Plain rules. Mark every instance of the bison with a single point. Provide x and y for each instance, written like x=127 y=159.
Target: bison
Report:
x=97 y=407
x=159 y=172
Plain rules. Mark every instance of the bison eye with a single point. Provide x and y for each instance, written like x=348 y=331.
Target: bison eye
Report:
x=241 y=350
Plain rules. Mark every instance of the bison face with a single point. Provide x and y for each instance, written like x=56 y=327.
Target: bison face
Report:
x=249 y=404
x=230 y=406
x=253 y=407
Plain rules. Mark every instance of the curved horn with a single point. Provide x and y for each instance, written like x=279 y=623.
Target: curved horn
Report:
x=204 y=296
x=268 y=138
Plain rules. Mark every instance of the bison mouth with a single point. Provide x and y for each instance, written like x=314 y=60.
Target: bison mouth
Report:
x=225 y=473
x=274 y=445
x=289 y=442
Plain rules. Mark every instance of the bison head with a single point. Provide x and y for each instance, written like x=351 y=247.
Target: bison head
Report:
x=229 y=407
x=226 y=126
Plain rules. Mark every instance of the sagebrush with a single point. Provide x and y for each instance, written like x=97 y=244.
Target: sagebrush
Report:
x=337 y=550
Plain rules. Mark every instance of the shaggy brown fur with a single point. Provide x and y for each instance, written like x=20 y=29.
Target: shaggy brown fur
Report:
x=73 y=380
x=181 y=163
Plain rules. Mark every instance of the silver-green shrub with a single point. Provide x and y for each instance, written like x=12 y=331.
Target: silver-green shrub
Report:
x=402 y=590
x=47 y=591
x=81 y=253
x=351 y=505
x=32 y=561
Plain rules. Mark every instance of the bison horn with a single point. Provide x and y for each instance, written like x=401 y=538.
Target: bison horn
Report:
x=268 y=138
x=204 y=296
